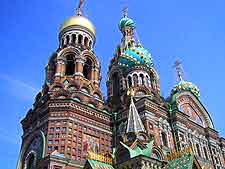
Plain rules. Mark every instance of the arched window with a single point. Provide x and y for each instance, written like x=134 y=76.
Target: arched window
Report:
x=80 y=38
x=87 y=69
x=135 y=77
x=164 y=139
x=70 y=65
x=116 y=84
x=142 y=79
x=86 y=42
x=73 y=38
x=30 y=162
x=129 y=81
x=198 y=150
x=67 y=39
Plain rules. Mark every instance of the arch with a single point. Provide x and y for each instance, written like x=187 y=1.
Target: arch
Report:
x=198 y=106
x=85 y=90
x=62 y=42
x=80 y=39
x=152 y=80
x=87 y=69
x=70 y=65
x=129 y=81
x=74 y=37
x=116 y=84
x=157 y=153
x=135 y=79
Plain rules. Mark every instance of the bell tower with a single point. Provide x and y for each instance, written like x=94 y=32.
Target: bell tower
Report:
x=69 y=117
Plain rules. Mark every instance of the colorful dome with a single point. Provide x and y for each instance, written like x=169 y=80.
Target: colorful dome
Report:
x=135 y=56
x=126 y=22
x=186 y=86
x=79 y=21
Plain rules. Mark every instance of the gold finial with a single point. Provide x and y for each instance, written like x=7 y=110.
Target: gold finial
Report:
x=177 y=65
x=125 y=12
x=130 y=92
x=80 y=6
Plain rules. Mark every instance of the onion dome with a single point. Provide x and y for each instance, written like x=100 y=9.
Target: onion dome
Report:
x=135 y=56
x=79 y=21
x=186 y=86
x=126 y=22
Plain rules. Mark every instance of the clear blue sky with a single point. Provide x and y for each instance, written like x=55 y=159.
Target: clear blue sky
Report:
x=192 y=30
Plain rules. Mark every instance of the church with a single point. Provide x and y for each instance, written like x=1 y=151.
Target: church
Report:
x=72 y=126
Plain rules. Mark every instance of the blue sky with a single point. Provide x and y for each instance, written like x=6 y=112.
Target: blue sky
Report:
x=193 y=31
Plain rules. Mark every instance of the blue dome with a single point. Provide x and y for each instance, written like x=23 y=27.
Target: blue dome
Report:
x=135 y=56
x=186 y=86
x=126 y=22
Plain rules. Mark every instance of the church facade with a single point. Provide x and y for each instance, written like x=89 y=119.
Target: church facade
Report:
x=72 y=126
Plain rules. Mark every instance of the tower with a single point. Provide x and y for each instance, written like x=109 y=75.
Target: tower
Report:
x=69 y=117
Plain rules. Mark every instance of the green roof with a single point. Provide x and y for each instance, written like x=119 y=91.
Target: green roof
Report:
x=184 y=162
x=99 y=165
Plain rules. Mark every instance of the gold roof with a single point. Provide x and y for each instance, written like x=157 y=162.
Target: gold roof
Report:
x=79 y=21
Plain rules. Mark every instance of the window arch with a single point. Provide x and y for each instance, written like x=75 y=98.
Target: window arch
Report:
x=74 y=38
x=70 y=65
x=62 y=42
x=116 y=84
x=87 y=69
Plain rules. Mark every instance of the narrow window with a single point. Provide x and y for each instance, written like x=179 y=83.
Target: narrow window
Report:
x=129 y=81
x=70 y=65
x=67 y=39
x=142 y=79
x=80 y=37
x=198 y=150
x=116 y=84
x=87 y=69
x=206 y=154
x=30 y=163
x=73 y=38
x=90 y=44
x=86 y=42
x=164 y=139
x=135 y=77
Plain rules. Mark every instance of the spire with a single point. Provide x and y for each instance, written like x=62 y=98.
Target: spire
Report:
x=79 y=8
x=177 y=65
x=134 y=123
x=125 y=12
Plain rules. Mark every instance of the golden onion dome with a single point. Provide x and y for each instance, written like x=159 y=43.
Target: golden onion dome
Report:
x=79 y=21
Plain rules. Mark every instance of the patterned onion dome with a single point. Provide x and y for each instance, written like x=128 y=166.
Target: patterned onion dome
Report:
x=126 y=22
x=135 y=56
x=186 y=86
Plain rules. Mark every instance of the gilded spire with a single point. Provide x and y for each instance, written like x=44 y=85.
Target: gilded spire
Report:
x=134 y=123
x=177 y=65
x=79 y=8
